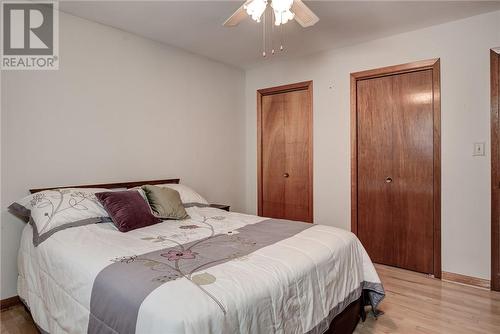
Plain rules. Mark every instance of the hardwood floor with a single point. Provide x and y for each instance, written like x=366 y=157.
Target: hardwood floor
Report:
x=16 y=320
x=415 y=303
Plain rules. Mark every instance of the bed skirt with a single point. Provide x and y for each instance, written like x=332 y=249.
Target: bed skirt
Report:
x=343 y=323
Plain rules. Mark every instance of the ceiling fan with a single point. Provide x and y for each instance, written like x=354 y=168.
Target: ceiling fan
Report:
x=284 y=11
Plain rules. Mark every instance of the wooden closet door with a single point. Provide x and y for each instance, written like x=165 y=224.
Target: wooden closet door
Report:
x=375 y=225
x=273 y=156
x=413 y=182
x=285 y=152
x=395 y=169
x=297 y=141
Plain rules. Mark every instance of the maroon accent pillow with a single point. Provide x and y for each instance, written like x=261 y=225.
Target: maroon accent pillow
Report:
x=127 y=209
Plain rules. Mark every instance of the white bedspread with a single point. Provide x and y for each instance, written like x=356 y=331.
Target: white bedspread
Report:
x=288 y=287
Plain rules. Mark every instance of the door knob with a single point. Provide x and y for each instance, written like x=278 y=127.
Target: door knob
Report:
x=388 y=179
x=286 y=175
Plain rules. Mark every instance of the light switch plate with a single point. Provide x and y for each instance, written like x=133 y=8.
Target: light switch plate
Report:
x=479 y=149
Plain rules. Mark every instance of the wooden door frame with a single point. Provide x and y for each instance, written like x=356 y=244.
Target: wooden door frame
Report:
x=495 y=170
x=307 y=86
x=430 y=64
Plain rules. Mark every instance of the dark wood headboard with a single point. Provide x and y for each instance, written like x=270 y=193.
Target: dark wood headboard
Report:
x=112 y=185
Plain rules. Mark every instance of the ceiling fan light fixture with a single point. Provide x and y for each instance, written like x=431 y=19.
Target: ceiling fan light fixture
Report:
x=282 y=10
x=255 y=8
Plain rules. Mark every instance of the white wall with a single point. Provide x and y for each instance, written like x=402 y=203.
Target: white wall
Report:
x=463 y=47
x=119 y=108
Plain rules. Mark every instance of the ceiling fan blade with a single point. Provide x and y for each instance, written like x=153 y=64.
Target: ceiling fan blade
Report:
x=239 y=15
x=303 y=15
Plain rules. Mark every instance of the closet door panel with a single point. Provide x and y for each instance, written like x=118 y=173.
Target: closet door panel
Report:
x=413 y=185
x=396 y=132
x=375 y=226
x=273 y=156
x=297 y=140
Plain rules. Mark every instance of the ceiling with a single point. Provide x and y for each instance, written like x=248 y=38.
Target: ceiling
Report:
x=196 y=26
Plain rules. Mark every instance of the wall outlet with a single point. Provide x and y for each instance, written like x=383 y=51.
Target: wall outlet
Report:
x=479 y=149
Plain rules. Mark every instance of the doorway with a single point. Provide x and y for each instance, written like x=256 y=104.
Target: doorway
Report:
x=395 y=164
x=284 y=152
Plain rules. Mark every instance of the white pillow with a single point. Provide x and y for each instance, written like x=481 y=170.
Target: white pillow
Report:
x=188 y=195
x=50 y=211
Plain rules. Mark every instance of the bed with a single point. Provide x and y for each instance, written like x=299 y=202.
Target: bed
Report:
x=215 y=272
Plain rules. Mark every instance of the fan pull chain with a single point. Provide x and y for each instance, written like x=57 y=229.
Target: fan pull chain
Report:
x=268 y=32
x=264 y=35
x=272 y=31
x=281 y=34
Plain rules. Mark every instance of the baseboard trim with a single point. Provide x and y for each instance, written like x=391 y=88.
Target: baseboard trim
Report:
x=467 y=280
x=9 y=302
